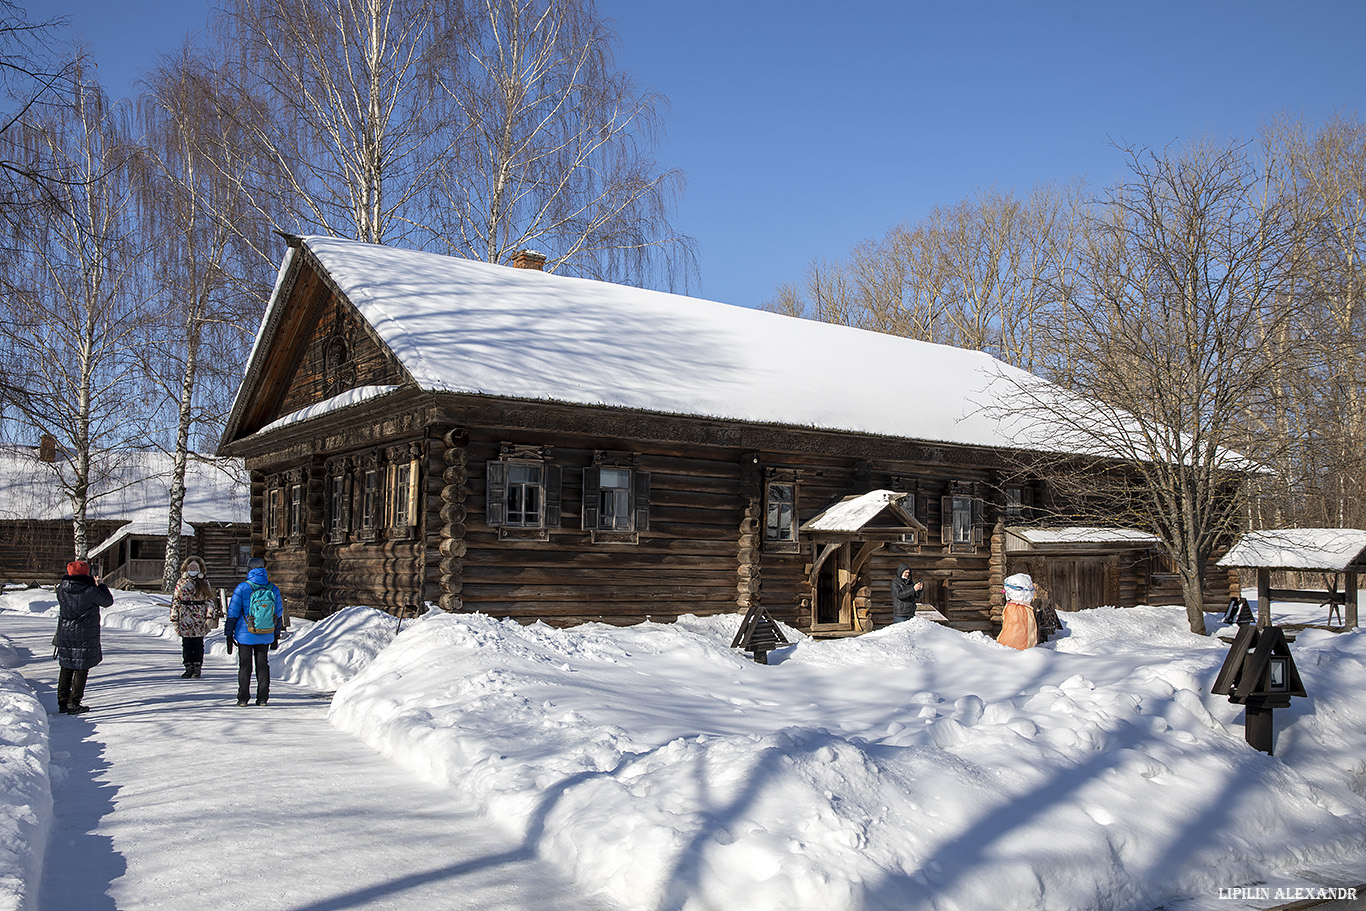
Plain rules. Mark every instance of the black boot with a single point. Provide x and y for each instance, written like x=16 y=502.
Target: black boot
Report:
x=196 y=668
x=189 y=671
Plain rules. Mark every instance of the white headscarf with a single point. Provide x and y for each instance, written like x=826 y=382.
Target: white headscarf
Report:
x=1019 y=588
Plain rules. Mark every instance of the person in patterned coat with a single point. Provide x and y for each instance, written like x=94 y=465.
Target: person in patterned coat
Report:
x=192 y=613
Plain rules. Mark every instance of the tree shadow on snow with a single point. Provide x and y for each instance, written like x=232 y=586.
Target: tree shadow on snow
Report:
x=80 y=865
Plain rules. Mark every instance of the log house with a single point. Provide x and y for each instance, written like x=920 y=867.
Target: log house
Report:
x=424 y=430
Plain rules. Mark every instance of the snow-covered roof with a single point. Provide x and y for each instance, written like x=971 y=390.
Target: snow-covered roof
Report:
x=133 y=487
x=140 y=527
x=335 y=403
x=459 y=325
x=1082 y=534
x=854 y=512
x=1330 y=549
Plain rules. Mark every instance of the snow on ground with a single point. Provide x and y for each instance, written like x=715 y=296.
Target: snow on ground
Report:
x=25 y=790
x=911 y=767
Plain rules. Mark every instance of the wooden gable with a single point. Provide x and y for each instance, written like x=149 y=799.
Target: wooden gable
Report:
x=318 y=346
x=339 y=353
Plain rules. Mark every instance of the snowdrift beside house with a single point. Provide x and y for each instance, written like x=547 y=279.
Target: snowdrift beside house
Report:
x=911 y=767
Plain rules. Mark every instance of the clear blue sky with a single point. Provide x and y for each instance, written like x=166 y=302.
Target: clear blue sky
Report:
x=805 y=127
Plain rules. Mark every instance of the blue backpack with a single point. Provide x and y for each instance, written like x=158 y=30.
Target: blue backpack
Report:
x=260 y=612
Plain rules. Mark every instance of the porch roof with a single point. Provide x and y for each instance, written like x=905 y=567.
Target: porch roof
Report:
x=1322 y=549
x=855 y=513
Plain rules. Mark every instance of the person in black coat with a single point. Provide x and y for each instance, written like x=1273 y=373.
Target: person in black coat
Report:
x=78 y=633
x=905 y=594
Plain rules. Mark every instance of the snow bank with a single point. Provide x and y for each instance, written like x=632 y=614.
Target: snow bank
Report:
x=912 y=767
x=25 y=790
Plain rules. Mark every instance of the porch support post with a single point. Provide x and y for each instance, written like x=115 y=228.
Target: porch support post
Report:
x=1263 y=597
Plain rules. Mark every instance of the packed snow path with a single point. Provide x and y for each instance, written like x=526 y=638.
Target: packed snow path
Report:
x=169 y=796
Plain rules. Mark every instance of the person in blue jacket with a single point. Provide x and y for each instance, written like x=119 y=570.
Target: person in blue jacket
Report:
x=253 y=648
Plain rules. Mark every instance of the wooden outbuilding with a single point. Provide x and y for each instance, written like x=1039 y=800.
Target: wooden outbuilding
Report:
x=1339 y=551
x=127 y=518
x=1080 y=567
x=425 y=429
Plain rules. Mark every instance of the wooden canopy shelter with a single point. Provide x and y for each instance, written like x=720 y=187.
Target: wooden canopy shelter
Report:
x=1327 y=550
x=843 y=537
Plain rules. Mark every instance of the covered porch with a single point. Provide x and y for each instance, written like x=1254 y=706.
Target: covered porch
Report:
x=844 y=537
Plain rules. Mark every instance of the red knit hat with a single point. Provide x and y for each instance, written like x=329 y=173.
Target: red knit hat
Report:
x=78 y=568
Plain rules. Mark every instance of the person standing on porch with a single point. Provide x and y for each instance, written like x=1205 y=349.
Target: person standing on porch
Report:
x=255 y=617
x=78 y=633
x=905 y=594
x=192 y=613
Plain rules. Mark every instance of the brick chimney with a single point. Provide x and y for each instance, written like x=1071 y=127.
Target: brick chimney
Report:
x=47 y=448
x=529 y=259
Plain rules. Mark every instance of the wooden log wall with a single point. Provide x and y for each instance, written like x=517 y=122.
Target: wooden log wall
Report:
x=685 y=563
x=217 y=545
x=451 y=520
x=957 y=583
x=34 y=551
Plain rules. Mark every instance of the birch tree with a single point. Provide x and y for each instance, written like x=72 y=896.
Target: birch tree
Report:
x=335 y=100
x=553 y=147
x=32 y=74
x=74 y=311
x=210 y=267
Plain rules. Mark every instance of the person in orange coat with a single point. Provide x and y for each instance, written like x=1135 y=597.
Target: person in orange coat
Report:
x=1018 y=628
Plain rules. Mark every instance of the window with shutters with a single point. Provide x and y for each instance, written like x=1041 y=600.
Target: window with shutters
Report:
x=294 y=506
x=1019 y=502
x=369 y=498
x=616 y=501
x=1014 y=498
x=962 y=519
x=522 y=494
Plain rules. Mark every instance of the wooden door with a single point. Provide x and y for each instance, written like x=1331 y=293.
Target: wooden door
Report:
x=833 y=607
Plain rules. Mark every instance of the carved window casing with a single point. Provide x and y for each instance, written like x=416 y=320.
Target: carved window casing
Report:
x=370 y=496
x=780 y=512
x=274 y=511
x=616 y=499
x=401 y=490
x=522 y=493
x=339 y=494
x=338 y=368
x=296 y=506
